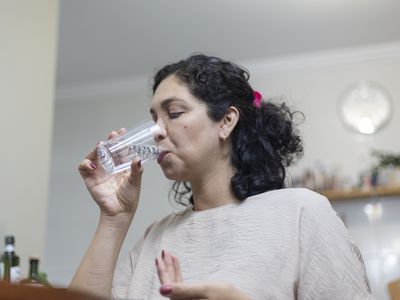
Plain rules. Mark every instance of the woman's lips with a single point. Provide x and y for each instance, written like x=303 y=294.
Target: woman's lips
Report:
x=161 y=156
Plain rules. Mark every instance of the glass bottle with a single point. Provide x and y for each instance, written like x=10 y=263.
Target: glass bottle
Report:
x=10 y=262
x=33 y=277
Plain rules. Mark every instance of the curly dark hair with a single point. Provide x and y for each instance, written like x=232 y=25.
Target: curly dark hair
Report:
x=264 y=141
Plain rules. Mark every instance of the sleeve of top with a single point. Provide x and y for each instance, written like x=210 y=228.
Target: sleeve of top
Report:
x=331 y=266
x=124 y=271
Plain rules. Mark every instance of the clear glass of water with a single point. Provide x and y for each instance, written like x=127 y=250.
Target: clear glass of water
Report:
x=116 y=154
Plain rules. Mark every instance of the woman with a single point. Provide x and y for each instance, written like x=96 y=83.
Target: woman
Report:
x=242 y=236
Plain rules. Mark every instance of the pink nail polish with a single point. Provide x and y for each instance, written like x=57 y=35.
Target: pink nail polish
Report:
x=165 y=289
x=93 y=165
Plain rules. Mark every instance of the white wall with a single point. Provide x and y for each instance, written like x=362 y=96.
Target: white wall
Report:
x=314 y=89
x=28 y=37
x=84 y=115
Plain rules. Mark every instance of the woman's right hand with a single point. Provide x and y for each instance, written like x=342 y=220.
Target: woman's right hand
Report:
x=118 y=194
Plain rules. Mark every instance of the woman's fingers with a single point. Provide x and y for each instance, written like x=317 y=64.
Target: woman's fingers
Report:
x=92 y=155
x=160 y=265
x=86 y=167
x=201 y=291
x=90 y=163
x=116 y=133
x=172 y=286
x=112 y=134
x=177 y=269
x=166 y=268
x=169 y=265
x=135 y=177
x=87 y=164
x=188 y=291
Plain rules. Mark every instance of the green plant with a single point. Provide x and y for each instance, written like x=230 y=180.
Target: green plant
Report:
x=43 y=279
x=386 y=159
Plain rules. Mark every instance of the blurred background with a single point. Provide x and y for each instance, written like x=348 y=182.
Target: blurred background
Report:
x=71 y=71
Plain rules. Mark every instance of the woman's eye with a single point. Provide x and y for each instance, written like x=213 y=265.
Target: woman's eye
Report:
x=174 y=115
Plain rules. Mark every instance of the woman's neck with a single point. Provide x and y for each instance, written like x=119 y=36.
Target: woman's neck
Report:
x=214 y=189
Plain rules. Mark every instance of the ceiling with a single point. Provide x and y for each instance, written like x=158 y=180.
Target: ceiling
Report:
x=101 y=40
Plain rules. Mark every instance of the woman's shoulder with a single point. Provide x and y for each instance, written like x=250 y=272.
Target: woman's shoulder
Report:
x=289 y=201
x=294 y=196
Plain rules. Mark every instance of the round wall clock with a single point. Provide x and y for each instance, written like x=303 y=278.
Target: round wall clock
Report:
x=365 y=107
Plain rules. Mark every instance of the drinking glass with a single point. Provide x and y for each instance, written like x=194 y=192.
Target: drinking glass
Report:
x=116 y=154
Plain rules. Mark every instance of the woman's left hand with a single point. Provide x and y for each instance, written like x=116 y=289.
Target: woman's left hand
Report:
x=172 y=286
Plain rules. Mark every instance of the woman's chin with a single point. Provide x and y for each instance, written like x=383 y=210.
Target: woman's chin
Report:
x=173 y=175
x=169 y=174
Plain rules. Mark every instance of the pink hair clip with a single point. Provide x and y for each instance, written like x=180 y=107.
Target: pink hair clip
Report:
x=257 y=99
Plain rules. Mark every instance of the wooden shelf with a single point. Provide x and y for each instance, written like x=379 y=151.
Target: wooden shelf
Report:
x=334 y=195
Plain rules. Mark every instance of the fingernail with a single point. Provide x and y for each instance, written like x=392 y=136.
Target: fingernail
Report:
x=165 y=289
x=93 y=165
x=162 y=254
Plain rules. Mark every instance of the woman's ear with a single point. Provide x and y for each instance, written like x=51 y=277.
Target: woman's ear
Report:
x=229 y=122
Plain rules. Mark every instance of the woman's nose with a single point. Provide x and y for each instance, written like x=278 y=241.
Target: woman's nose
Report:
x=160 y=132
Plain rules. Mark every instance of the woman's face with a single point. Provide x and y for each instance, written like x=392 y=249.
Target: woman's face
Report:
x=188 y=136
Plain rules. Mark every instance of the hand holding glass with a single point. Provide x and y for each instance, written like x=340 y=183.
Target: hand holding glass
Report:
x=116 y=154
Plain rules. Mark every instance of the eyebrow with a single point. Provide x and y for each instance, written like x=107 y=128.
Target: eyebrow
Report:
x=165 y=103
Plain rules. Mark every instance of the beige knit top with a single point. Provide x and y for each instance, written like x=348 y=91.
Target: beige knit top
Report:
x=283 y=244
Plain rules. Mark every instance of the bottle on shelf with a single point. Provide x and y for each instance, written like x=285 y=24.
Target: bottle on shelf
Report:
x=11 y=271
x=33 y=278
